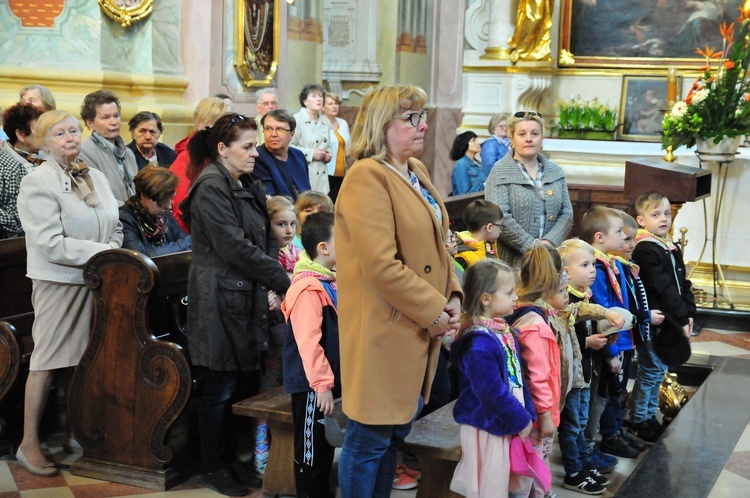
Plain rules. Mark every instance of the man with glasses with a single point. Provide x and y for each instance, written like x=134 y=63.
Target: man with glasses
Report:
x=265 y=102
x=282 y=168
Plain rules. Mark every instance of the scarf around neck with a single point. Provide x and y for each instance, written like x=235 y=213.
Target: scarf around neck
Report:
x=612 y=272
x=634 y=268
x=306 y=267
x=81 y=183
x=155 y=229
x=585 y=294
x=117 y=148
x=645 y=235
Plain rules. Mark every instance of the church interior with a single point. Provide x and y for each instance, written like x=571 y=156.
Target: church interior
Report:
x=475 y=59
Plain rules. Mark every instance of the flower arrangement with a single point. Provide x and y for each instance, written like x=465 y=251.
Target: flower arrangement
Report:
x=585 y=115
x=718 y=103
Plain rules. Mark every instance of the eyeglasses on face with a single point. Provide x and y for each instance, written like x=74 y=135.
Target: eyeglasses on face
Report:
x=415 y=117
x=236 y=119
x=528 y=114
x=277 y=130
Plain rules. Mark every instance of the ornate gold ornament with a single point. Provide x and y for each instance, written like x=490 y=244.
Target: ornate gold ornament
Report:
x=256 y=40
x=672 y=396
x=566 y=58
x=127 y=11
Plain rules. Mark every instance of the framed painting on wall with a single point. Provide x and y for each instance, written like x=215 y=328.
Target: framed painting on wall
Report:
x=640 y=34
x=256 y=41
x=643 y=103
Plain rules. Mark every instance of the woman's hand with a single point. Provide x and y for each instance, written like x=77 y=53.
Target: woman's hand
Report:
x=546 y=427
x=596 y=341
x=614 y=364
x=442 y=327
x=325 y=402
x=321 y=155
x=453 y=308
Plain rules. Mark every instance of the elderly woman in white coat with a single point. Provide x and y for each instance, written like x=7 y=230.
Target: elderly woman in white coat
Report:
x=312 y=136
x=69 y=214
x=340 y=141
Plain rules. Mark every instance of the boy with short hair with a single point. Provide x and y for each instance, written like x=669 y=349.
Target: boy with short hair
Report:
x=602 y=228
x=311 y=355
x=483 y=220
x=668 y=289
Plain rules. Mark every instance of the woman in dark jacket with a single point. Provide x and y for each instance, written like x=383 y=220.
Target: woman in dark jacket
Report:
x=147 y=222
x=234 y=269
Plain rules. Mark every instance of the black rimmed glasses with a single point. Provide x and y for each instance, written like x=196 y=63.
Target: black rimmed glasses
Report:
x=236 y=119
x=526 y=114
x=278 y=130
x=415 y=117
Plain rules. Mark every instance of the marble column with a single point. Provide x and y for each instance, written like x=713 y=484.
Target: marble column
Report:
x=500 y=30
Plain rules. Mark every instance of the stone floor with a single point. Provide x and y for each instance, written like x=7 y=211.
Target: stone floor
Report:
x=734 y=480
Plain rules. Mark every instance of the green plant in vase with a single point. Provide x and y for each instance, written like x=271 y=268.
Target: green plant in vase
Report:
x=590 y=119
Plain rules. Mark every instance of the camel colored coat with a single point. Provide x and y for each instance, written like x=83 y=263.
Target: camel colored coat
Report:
x=394 y=278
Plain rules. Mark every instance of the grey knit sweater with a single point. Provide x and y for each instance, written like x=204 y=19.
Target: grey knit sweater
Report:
x=507 y=187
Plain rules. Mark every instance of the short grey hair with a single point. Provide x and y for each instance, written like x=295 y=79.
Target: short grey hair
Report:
x=270 y=90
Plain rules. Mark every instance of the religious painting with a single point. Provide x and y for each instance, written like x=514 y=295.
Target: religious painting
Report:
x=641 y=33
x=126 y=12
x=643 y=104
x=256 y=41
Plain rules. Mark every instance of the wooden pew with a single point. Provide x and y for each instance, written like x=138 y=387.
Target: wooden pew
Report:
x=436 y=440
x=275 y=406
x=129 y=387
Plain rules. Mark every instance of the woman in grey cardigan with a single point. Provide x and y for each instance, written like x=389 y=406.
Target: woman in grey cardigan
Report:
x=530 y=189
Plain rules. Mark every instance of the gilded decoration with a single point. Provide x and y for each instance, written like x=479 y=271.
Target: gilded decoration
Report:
x=256 y=41
x=126 y=12
x=532 y=41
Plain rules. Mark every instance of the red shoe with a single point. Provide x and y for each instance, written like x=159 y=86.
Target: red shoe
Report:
x=414 y=474
x=403 y=481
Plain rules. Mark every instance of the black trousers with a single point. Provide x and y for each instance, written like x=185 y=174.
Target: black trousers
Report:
x=313 y=456
x=334 y=183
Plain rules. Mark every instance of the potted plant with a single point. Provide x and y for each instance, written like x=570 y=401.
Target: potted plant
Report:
x=716 y=111
x=585 y=119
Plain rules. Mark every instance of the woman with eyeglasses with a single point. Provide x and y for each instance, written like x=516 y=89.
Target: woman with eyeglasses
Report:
x=234 y=276
x=147 y=222
x=495 y=147
x=530 y=189
x=313 y=135
x=69 y=214
x=398 y=293
x=283 y=169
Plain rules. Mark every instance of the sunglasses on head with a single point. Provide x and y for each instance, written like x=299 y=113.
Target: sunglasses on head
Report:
x=526 y=114
x=237 y=118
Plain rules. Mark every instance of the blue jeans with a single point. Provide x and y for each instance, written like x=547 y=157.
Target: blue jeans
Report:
x=369 y=457
x=573 y=419
x=650 y=374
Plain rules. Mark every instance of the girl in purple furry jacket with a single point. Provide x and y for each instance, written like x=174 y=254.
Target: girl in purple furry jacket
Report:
x=494 y=403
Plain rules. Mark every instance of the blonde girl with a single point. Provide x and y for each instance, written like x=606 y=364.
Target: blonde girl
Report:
x=494 y=403
x=283 y=217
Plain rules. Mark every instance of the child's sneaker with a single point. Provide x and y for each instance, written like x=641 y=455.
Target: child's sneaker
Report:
x=602 y=462
x=644 y=431
x=402 y=481
x=583 y=483
x=618 y=446
x=656 y=426
x=597 y=476
x=635 y=443
x=414 y=474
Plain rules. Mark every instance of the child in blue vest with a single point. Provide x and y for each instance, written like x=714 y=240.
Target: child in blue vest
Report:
x=311 y=355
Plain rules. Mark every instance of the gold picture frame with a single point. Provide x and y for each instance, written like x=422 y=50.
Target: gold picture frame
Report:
x=126 y=12
x=642 y=107
x=257 y=25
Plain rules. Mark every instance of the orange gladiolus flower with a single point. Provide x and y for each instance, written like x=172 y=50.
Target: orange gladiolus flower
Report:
x=744 y=13
x=728 y=65
x=747 y=97
x=708 y=53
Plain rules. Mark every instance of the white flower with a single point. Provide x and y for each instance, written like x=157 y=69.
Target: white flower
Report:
x=700 y=95
x=679 y=109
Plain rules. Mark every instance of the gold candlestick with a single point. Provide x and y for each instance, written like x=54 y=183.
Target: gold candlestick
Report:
x=671 y=87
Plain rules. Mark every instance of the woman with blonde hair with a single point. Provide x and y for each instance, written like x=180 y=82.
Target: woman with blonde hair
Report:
x=340 y=140
x=69 y=213
x=530 y=189
x=398 y=293
x=495 y=147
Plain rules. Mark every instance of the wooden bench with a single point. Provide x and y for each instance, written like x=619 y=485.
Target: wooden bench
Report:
x=436 y=440
x=276 y=407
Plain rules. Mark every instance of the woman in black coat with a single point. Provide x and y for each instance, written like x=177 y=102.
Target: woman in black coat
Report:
x=234 y=275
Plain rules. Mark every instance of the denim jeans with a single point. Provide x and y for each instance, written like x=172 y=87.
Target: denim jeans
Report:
x=369 y=457
x=573 y=419
x=645 y=397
